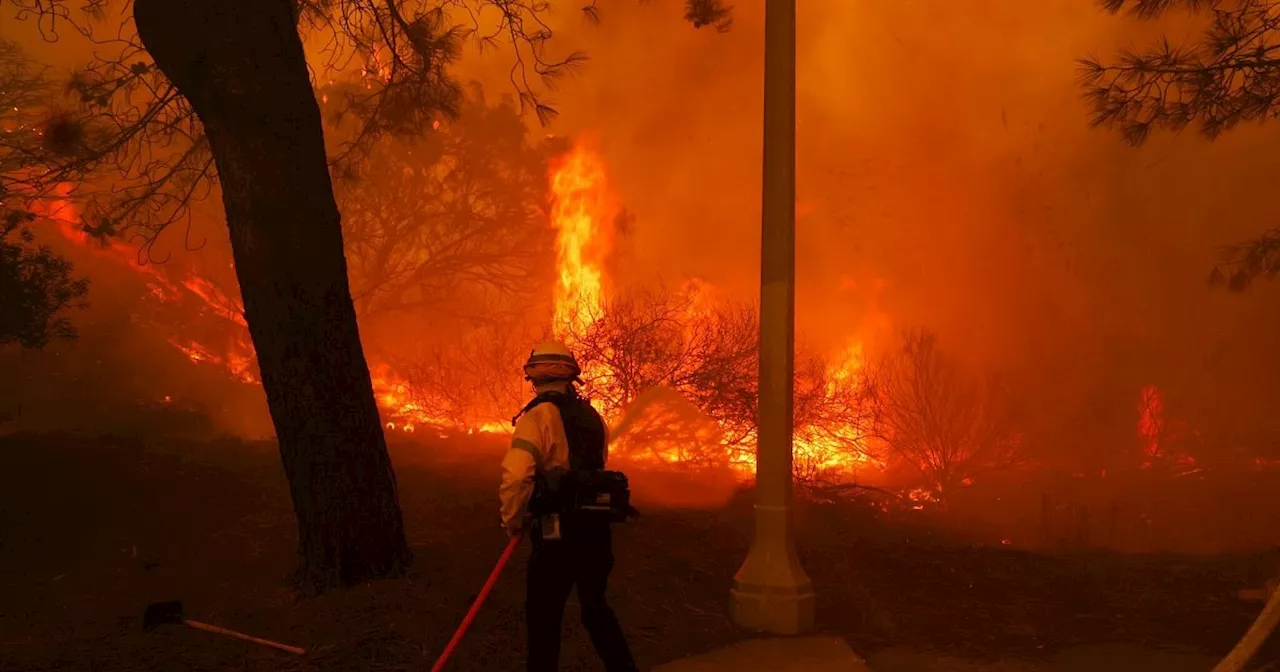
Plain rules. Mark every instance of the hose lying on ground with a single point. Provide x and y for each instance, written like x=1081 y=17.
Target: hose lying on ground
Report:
x=1253 y=640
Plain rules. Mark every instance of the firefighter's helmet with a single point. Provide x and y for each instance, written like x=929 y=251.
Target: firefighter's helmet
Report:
x=551 y=361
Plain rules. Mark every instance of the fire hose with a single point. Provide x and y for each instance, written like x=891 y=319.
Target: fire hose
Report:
x=1253 y=639
x=1240 y=655
x=475 y=606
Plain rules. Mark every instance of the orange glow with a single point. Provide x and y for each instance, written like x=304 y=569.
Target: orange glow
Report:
x=582 y=216
x=1151 y=420
x=237 y=358
x=579 y=215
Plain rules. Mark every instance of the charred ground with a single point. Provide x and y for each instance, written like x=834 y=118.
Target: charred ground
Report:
x=92 y=528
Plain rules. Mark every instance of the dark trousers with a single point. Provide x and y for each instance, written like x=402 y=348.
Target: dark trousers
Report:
x=555 y=567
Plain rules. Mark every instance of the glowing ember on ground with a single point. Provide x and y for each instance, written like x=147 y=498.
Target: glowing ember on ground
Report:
x=920 y=497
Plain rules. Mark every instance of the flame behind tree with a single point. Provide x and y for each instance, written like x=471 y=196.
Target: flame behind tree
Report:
x=240 y=65
x=451 y=224
x=36 y=285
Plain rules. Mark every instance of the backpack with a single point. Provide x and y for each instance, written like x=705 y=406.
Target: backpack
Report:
x=585 y=491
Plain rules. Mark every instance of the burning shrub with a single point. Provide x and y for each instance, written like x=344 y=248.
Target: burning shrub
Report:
x=835 y=411
x=708 y=352
x=649 y=337
x=470 y=381
x=662 y=425
x=936 y=417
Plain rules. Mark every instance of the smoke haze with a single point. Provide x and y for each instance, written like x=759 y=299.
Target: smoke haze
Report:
x=947 y=178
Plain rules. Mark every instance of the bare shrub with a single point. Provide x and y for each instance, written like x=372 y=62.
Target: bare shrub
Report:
x=470 y=380
x=708 y=352
x=937 y=417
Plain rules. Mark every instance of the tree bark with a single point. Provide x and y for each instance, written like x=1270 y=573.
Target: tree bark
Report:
x=240 y=64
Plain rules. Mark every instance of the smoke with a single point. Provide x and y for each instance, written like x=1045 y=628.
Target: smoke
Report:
x=948 y=178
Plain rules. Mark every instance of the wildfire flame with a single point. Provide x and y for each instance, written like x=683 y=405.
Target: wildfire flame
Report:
x=1151 y=420
x=582 y=215
x=842 y=447
x=1159 y=436
x=578 y=215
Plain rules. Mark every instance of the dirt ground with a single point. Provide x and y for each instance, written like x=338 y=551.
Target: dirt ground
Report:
x=93 y=528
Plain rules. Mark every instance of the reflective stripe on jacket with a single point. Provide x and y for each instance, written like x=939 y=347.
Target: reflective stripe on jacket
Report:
x=537 y=444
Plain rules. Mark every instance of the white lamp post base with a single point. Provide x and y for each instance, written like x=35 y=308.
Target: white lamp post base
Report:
x=777 y=610
x=772 y=593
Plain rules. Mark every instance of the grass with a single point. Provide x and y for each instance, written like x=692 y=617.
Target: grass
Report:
x=93 y=528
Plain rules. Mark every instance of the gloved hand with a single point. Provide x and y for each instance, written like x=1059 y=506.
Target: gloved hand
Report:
x=517 y=526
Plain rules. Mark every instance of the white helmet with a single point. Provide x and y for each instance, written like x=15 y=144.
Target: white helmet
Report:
x=551 y=361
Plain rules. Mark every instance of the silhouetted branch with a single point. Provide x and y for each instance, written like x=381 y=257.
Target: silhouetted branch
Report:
x=1231 y=75
x=453 y=222
x=712 y=13
x=36 y=285
x=131 y=150
x=1228 y=77
x=1246 y=262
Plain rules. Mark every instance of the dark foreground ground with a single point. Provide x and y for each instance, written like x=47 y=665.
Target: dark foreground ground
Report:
x=94 y=528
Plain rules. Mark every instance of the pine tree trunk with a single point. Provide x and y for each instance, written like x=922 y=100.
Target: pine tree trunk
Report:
x=241 y=66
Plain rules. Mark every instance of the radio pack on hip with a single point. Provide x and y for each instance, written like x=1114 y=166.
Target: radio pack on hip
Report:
x=584 y=495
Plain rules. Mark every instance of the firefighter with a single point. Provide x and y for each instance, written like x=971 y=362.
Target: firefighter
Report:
x=556 y=431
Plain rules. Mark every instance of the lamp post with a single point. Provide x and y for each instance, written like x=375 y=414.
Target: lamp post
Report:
x=771 y=592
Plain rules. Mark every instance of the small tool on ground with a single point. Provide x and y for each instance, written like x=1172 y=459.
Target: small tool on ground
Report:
x=170 y=613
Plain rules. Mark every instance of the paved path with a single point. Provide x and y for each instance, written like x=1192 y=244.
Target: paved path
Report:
x=1104 y=658
x=775 y=654
x=832 y=654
